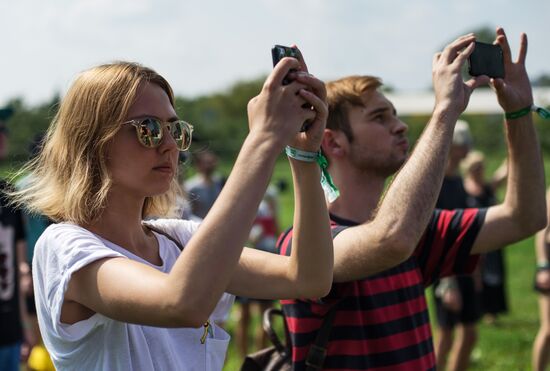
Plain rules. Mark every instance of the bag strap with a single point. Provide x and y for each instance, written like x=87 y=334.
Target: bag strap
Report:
x=159 y=231
x=318 y=350
x=268 y=328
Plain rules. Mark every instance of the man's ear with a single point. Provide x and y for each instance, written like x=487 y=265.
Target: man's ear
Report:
x=334 y=143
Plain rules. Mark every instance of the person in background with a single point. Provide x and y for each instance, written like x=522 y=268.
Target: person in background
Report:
x=183 y=205
x=263 y=236
x=35 y=225
x=15 y=325
x=541 y=345
x=457 y=298
x=206 y=185
x=482 y=193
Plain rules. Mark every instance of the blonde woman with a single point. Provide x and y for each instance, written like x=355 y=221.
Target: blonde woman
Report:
x=115 y=293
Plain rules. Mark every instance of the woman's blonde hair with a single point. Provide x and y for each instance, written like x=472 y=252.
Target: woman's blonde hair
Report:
x=69 y=180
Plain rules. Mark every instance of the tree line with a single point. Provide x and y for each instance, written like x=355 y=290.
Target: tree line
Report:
x=221 y=124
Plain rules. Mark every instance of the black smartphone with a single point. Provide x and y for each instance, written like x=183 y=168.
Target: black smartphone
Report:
x=278 y=52
x=486 y=59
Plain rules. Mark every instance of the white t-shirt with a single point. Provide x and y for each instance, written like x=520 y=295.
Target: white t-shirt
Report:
x=99 y=342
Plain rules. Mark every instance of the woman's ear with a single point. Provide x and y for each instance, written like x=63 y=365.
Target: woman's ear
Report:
x=333 y=143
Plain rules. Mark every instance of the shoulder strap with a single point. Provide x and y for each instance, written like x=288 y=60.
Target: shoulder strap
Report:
x=155 y=229
x=268 y=326
x=318 y=350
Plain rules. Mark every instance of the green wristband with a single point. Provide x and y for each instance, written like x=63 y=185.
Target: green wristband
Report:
x=517 y=114
x=543 y=266
x=543 y=113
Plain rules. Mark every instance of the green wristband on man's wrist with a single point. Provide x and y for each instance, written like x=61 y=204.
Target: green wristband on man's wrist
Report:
x=517 y=114
x=543 y=113
x=545 y=265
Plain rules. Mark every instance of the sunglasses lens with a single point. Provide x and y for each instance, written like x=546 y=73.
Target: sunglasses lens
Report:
x=150 y=132
x=181 y=132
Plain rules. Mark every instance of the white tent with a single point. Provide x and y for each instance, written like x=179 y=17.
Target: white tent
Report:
x=482 y=101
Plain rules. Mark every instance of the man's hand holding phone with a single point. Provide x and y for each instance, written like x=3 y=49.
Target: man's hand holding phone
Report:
x=486 y=59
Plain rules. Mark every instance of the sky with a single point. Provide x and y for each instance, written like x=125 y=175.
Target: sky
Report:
x=206 y=46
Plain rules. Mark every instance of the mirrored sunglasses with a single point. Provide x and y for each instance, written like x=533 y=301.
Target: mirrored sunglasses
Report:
x=150 y=132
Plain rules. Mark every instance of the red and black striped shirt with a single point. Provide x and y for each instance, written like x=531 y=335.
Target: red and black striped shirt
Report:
x=382 y=321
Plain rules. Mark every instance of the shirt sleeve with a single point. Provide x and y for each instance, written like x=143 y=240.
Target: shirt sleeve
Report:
x=445 y=247
x=62 y=250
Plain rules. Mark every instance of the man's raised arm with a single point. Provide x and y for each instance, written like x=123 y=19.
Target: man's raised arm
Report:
x=523 y=211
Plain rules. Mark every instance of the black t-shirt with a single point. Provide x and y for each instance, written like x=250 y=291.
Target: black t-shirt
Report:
x=485 y=199
x=452 y=195
x=11 y=230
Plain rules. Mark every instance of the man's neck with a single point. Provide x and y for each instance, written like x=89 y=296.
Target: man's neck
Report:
x=359 y=195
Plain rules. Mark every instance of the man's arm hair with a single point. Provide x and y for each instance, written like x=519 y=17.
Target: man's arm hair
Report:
x=404 y=212
x=391 y=237
x=523 y=211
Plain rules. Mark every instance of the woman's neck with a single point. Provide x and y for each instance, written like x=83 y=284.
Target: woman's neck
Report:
x=120 y=223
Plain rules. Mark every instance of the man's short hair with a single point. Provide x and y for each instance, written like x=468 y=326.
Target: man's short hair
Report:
x=346 y=92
